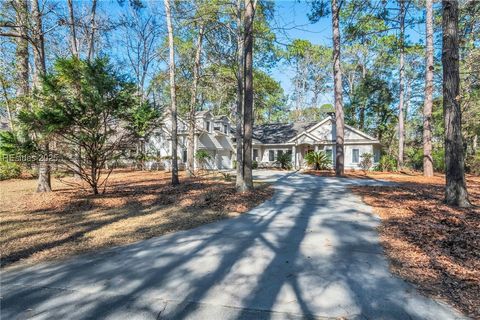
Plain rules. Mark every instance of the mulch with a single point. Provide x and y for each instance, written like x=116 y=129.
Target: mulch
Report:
x=136 y=205
x=430 y=244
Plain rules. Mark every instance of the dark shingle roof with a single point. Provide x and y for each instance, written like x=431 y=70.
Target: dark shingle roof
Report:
x=279 y=132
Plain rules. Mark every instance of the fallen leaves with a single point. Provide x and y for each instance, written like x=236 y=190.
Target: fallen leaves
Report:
x=137 y=205
x=433 y=245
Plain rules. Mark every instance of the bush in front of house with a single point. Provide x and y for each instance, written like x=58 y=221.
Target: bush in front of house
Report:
x=367 y=161
x=318 y=160
x=202 y=156
x=284 y=160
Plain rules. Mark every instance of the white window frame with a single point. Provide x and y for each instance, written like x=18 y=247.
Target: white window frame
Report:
x=353 y=156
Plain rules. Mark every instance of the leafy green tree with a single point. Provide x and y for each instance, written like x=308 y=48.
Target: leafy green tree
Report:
x=83 y=115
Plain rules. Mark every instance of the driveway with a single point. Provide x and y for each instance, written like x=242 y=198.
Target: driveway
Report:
x=312 y=251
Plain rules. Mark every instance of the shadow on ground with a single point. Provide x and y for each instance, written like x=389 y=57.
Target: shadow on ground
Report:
x=311 y=251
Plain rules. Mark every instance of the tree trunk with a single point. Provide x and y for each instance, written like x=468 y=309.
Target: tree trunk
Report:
x=38 y=44
x=44 y=179
x=91 y=40
x=240 y=181
x=75 y=53
x=427 y=106
x=401 y=126
x=73 y=32
x=173 y=94
x=21 y=52
x=337 y=82
x=193 y=104
x=455 y=190
x=248 y=97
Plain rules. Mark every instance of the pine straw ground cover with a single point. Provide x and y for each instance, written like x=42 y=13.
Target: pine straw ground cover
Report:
x=137 y=205
x=430 y=244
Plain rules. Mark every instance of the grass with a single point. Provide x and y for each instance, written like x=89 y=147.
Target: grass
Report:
x=430 y=244
x=137 y=205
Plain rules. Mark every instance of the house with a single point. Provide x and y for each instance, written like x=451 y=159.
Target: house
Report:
x=299 y=138
x=212 y=134
x=215 y=135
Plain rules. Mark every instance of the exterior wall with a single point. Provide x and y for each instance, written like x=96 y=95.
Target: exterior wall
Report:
x=263 y=153
x=325 y=132
x=362 y=148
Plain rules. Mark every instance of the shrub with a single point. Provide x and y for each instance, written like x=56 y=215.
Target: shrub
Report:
x=254 y=165
x=473 y=163
x=202 y=157
x=438 y=156
x=386 y=163
x=366 y=162
x=285 y=161
x=415 y=158
x=9 y=170
x=318 y=160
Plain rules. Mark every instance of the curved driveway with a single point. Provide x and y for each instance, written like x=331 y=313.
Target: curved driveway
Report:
x=312 y=251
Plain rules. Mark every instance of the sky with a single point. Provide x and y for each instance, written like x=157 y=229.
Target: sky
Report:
x=291 y=22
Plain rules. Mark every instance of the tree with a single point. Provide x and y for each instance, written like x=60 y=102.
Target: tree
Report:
x=240 y=179
x=320 y=9
x=193 y=102
x=427 y=107
x=455 y=190
x=401 y=92
x=44 y=176
x=83 y=115
x=248 y=97
x=173 y=93
x=337 y=83
x=73 y=30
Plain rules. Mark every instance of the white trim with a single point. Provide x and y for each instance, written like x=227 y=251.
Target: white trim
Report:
x=304 y=133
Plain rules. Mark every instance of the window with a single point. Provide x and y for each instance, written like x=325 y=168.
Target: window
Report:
x=271 y=155
x=289 y=152
x=376 y=156
x=355 y=155
x=207 y=126
x=184 y=155
x=225 y=128
x=279 y=153
x=255 y=154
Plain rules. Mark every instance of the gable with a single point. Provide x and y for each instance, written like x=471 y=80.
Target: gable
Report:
x=325 y=130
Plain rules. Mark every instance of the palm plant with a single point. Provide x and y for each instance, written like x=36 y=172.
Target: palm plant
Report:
x=285 y=161
x=203 y=157
x=318 y=160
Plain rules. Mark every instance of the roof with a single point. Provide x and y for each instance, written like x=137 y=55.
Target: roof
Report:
x=279 y=132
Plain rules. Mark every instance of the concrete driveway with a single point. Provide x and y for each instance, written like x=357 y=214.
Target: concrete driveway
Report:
x=312 y=251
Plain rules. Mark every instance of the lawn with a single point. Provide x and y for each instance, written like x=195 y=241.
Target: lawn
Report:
x=137 y=205
x=434 y=246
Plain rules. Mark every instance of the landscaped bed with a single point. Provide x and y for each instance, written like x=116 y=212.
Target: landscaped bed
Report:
x=137 y=205
x=435 y=246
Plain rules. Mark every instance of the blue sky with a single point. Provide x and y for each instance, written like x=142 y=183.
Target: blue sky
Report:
x=291 y=22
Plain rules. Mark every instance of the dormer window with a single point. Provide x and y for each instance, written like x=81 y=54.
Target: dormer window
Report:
x=207 y=126
x=225 y=128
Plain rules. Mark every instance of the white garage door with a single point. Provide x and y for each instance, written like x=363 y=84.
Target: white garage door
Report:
x=223 y=160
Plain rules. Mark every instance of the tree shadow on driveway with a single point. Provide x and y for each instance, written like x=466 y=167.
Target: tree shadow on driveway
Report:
x=311 y=251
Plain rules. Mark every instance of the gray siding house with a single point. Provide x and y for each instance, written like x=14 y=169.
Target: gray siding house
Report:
x=299 y=138
x=215 y=135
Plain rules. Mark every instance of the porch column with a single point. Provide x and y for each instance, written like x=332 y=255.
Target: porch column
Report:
x=294 y=155
x=316 y=147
